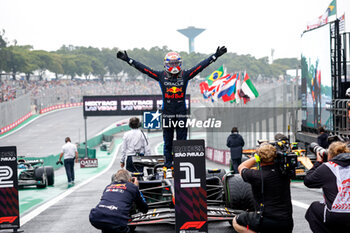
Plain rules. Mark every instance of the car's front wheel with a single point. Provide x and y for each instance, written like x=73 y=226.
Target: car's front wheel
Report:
x=40 y=176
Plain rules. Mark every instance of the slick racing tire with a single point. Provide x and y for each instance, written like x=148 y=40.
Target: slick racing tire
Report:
x=40 y=175
x=220 y=174
x=238 y=194
x=50 y=175
x=132 y=228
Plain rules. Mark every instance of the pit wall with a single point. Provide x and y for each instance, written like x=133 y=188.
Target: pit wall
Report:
x=218 y=156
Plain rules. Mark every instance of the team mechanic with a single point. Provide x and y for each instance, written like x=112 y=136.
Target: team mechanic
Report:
x=112 y=213
x=173 y=83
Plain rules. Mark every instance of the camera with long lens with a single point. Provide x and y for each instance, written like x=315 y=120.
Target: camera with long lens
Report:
x=315 y=148
x=286 y=160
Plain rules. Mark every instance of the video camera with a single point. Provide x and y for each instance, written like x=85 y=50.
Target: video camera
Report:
x=286 y=160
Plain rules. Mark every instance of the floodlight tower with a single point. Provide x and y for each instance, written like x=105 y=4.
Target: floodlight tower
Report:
x=191 y=32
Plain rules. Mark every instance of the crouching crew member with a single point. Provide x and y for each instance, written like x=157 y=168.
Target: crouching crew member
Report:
x=113 y=212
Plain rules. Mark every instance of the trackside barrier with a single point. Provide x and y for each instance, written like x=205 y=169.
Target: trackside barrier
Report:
x=59 y=106
x=97 y=140
x=14 y=124
x=44 y=110
x=218 y=156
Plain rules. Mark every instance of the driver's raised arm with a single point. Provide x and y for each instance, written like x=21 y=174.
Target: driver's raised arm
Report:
x=205 y=63
x=139 y=66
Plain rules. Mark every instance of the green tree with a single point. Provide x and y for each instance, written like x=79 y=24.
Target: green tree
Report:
x=69 y=66
x=14 y=59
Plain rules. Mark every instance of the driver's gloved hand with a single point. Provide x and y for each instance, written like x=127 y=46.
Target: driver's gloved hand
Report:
x=220 y=51
x=123 y=56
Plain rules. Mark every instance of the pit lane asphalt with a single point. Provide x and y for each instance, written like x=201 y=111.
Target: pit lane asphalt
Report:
x=71 y=213
x=45 y=135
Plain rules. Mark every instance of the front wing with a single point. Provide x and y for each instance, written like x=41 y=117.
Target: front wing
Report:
x=167 y=216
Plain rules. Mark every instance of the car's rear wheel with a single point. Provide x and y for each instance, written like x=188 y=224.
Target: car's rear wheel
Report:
x=50 y=174
x=40 y=175
x=238 y=194
x=216 y=172
x=132 y=228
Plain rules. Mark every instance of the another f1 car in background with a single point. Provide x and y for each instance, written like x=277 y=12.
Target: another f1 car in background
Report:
x=303 y=161
x=33 y=172
x=227 y=194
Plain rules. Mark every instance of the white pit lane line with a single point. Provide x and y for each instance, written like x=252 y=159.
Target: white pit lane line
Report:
x=300 y=204
x=53 y=201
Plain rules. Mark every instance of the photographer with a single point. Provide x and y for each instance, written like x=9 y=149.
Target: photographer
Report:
x=275 y=195
x=333 y=214
x=134 y=143
x=112 y=213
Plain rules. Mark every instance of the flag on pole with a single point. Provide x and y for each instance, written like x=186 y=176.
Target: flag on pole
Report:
x=332 y=8
x=238 y=88
x=323 y=19
x=248 y=90
x=217 y=86
x=215 y=75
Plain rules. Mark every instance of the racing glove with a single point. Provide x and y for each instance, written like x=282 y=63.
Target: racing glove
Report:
x=124 y=56
x=220 y=51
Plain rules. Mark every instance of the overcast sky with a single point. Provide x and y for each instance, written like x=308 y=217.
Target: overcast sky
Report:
x=243 y=26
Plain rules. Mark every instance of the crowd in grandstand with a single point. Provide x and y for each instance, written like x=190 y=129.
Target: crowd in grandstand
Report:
x=73 y=90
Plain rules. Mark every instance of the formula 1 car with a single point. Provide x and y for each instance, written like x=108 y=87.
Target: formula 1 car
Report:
x=227 y=194
x=33 y=172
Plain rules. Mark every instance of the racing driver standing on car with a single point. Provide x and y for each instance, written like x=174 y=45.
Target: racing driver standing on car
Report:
x=173 y=83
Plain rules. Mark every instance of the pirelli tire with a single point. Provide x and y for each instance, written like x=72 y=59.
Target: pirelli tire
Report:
x=40 y=175
x=220 y=174
x=132 y=228
x=50 y=174
x=238 y=194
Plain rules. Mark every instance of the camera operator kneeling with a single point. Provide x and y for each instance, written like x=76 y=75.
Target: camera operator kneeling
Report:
x=333 y=214
x=270 y=188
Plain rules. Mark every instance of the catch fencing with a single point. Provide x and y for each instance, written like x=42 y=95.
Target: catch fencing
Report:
x=274 y=111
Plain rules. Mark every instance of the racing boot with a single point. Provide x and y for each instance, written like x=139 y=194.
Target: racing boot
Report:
x=170 y=173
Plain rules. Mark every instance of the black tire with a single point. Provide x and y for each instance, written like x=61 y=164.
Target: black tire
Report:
x=220 y=174
x=238 y=194
x=50 y=174
x=132 y=228
x=40 y=175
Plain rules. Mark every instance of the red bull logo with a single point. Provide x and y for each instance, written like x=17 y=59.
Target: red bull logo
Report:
x=117 y=186
x=174 y=90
